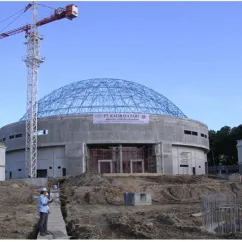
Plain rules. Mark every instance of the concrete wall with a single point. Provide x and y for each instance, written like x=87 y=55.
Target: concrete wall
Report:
x=2 y=161
x=194 y=158
x=63 y=145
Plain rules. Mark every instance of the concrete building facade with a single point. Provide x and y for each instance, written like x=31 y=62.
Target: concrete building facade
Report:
x=72 y=144
x=179 y=145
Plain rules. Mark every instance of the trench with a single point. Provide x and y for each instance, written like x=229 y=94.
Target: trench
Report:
x=34 y=233
x=63 y=201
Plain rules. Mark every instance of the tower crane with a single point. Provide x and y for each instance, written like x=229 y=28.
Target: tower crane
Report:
x=33 y=61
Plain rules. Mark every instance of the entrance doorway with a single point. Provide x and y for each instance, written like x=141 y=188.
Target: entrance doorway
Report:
x=125 y=158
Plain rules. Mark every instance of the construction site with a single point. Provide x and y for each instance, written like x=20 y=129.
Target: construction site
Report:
x=92 y=206
x=125 y=161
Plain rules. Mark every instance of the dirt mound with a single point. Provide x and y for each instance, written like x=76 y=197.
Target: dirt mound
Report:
x=13 y=183
x=154 y=225
x=18 y=210
x=16 y=192
x=170 y=219
x=129 y=224
x=96 y=189
x=178 y=179
x=192 y=193
x=88 y=179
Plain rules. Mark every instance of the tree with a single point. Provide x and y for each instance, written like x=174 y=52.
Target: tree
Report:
x=223 y=145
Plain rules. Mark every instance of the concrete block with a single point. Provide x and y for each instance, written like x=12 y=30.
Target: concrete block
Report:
x=137 y=198
x=234 y=177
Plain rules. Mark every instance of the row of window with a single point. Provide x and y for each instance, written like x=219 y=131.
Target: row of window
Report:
x=194 y=133
x=39 y=132
x=15 y=136
x=59 y=167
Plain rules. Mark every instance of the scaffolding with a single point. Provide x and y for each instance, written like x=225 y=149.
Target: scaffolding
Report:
x=119 y=159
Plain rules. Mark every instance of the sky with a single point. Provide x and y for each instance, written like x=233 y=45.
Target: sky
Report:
x=190 y=52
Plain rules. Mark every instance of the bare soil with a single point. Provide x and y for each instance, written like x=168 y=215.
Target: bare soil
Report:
x=93 y=208
x=18 y=210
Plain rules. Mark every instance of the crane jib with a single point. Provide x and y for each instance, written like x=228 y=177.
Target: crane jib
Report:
x=70 y=12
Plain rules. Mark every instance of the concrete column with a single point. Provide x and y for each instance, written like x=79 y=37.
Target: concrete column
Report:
x=162 y=157
x=84 y=157
x=121 y=158
x=158 y=157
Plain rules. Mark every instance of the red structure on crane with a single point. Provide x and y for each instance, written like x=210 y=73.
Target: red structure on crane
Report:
x=70 y=12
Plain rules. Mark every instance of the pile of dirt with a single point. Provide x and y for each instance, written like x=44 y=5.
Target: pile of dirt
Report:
x=97 y=189
x=18 y=210
x=126 y=223
x=88 y=179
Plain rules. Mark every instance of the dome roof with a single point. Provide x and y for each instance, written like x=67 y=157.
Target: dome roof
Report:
x=105 y=95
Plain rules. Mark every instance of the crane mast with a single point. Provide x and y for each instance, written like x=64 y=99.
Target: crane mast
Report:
x=33 y=61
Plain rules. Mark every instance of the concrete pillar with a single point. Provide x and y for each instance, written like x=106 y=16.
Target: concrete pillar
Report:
x=84 y=157
x=121 y=158
x=158 y=157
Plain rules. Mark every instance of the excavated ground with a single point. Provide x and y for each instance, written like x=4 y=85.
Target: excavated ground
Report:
x=93 y=206
x=18 y=210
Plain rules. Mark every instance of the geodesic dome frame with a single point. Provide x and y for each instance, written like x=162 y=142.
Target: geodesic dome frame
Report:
x=105 y=95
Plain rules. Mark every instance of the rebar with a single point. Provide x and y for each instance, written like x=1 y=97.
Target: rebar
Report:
x=221 y=213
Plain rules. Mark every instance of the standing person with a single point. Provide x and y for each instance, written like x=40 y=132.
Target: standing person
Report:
x=43 y=211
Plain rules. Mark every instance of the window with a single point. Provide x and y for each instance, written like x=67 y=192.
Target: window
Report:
x=194 y=133
x=199 y=166
x=11 y=137
x=184 y=165
x=3 y=139
x=187 y=132
x=50 y=167
x=59 y=167
x=42 y=132
x=18 y=135
x=19 y=169
x=204 y=135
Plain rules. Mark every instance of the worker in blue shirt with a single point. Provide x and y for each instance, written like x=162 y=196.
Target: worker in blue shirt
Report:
x=43 y=202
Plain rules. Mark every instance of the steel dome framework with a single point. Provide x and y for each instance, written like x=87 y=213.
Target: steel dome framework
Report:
x=105 y=95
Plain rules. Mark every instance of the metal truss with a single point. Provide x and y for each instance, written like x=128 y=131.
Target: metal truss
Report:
x=105 y=95
x=32 y=61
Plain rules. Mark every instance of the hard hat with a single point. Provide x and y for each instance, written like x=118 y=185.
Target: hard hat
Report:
x=43 y=189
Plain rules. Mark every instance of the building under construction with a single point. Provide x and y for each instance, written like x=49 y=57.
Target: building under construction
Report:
x=108 y=126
